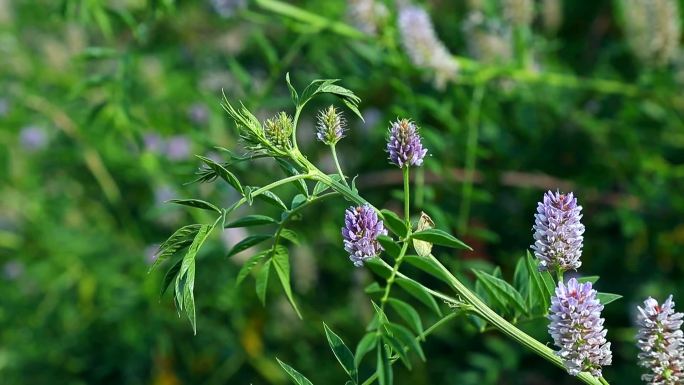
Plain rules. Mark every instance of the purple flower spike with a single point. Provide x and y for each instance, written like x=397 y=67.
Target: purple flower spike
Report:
x=577 y=328
x=404 y=146
x=360 y=232
x=661 y=342
x=558 y=232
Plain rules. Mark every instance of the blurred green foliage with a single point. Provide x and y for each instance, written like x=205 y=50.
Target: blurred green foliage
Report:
x=103 y=105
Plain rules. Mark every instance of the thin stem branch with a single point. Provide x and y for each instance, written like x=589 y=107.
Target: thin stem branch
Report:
x=269 y=187
x=393 y=275
x=407 y=202
x=471 y=157
x=337 y=165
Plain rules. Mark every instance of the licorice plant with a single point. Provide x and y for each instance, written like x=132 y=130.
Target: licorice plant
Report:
x=382 y=240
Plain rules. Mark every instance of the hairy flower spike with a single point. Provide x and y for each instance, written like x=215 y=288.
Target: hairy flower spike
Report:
x=278 y=131
x=653 y=29
x=558 y=232
x=367 y=15
x=577 y=329
x=661 y=342
x=360 y=233
x=404 y=144
x=331 y=126
x=419 y=40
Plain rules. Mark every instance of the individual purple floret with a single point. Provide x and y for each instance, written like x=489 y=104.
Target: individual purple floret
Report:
x=404 y=146
x=558 y=232
x=360 y=232
x=330 y=126
x=661 y=342
x=577 y=328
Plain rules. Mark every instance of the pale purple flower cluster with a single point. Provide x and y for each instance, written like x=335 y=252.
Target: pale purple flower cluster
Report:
x=661 y=342
x=175 y=148
x=577 y=328
x=404 y=144
x=366 y=15
x=558 y=232
x=360 y=232
x=419 y=40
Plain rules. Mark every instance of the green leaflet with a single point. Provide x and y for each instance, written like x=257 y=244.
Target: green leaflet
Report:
x=391 y=247
x=408 y=313
x=419 y=292
x=281 y=262
x=185 y=280
x=262 y=281
x=297 y=377
x=342 y=353
x=251 y=220
x=179 y=240
x=249 y=265
x=606 y=298
x=394 y=223
x=197 y=203
x=367 y=343
x=248 y=242
x=502 y=291
x=440 y=237
x=384 y=367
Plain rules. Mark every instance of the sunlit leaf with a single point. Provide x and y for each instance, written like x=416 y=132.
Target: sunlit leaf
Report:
x=248 y=242
x=297 y=377
x=249 y=265
x=200 y=204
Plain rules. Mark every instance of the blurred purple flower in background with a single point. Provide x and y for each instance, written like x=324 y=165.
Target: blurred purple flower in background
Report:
x=164 y=193
x=33 y=138
x=154 y=143
x=198 y=113
x=178 y=148
x=422 y=45
x=13 y=270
